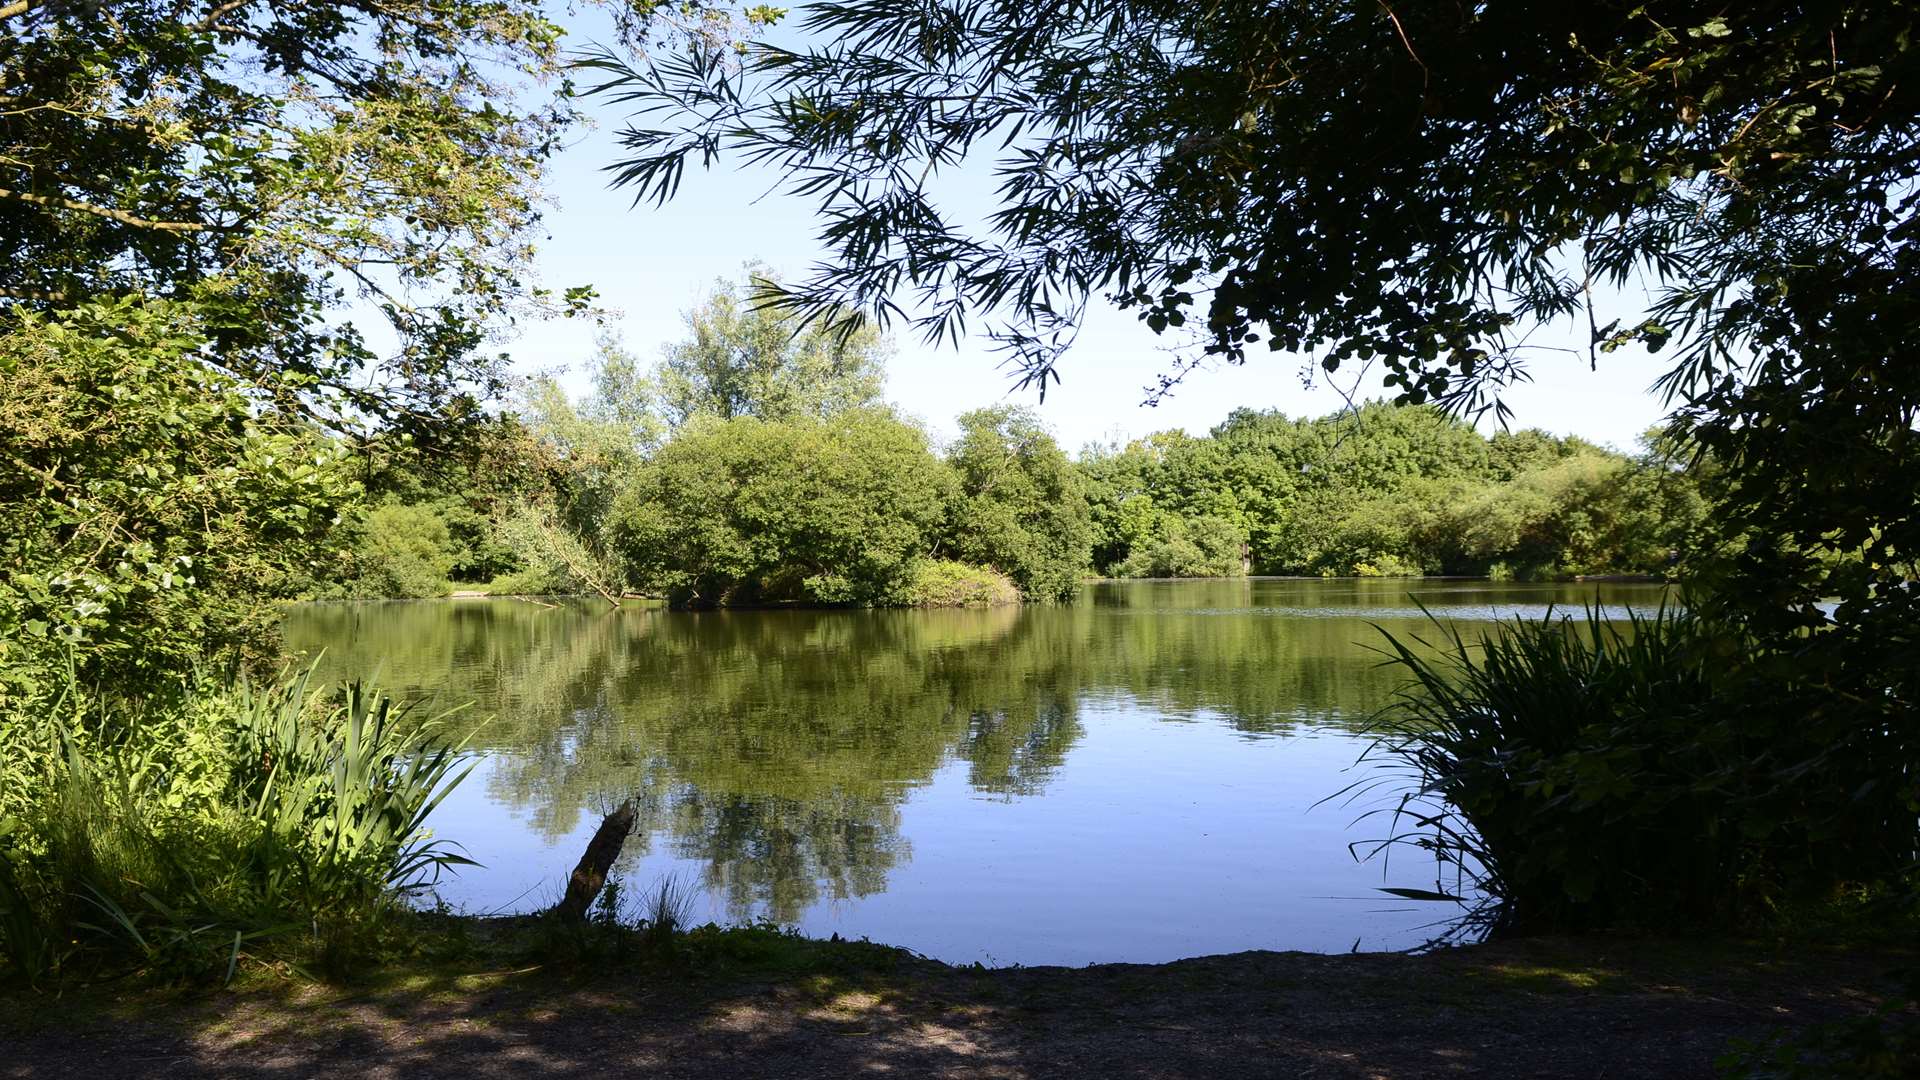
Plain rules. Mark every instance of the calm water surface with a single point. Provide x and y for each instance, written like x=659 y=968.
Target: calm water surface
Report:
x=1129 y=777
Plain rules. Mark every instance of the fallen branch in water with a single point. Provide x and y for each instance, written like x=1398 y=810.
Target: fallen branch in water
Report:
x=590 y=874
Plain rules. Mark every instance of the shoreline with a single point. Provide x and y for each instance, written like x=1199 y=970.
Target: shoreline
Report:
x=654 y=601
x=757 y=1002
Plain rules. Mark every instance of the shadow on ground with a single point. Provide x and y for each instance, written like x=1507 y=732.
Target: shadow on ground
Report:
x=1526 y=1009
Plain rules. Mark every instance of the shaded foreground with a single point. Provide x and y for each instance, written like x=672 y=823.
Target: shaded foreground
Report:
x=1537 y=1008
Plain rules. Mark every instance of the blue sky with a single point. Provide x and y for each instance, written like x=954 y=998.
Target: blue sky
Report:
x=652 y=263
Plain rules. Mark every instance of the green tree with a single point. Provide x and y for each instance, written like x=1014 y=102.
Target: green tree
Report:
x=1119 y=505
x=594 y=449
x=262 y=161
x=834 y=511
x=739 y=359
x=403 y=552
x=1020 y=506
x=150 y=512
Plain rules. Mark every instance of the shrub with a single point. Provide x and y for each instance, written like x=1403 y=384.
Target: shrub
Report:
x=1387 y=566
x=151 y=510
x=945 y=583
x=748 y=511
x=404 y=552
x=1179 y=547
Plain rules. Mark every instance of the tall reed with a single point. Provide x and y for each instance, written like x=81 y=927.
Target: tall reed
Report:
x=1581 y=774
x=284 y=822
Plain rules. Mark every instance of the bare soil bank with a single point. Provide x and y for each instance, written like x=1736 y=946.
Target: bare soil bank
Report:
x=1537 y=1008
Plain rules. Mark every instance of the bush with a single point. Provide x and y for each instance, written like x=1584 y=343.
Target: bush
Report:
x=945 y=583
x=151 y=510
x=1201 y=547
x=180 y=838
x=749 y=511
x=553 y=560
x=1387 y=566
x=405 y=552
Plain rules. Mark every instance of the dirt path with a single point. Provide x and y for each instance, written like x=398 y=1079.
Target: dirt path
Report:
x=1530 y=1009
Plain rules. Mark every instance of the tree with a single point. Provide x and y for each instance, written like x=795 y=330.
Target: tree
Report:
x=263 y=162
x=596 y=448
x=1021 y=508
x=403 y=552
x=742 y=360
x=150 y=513
x=191 y=197
x=835 y=511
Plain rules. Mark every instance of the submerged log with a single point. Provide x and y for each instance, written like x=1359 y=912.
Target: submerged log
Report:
x=590 y=874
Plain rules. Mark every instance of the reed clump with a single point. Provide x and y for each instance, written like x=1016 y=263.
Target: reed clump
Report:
x=1607 y=771
x=228 y=824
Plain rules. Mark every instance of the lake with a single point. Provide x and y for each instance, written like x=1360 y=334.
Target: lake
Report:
x=1130 y=777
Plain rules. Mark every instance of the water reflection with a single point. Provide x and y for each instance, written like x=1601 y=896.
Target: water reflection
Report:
x=833 y=767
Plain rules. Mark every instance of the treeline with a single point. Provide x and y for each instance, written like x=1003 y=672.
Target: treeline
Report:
x=750 y=465
x=753 y=466
x=1387 y=490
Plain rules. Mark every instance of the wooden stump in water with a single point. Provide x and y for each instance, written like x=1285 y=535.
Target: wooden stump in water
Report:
x=590 y=874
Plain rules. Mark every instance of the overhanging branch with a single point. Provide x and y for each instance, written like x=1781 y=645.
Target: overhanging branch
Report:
x=121 y=216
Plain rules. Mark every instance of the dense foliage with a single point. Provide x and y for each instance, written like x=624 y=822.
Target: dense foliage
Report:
x=1384 y=490
x=1019 y=506
x=1387 y=490
x=194 y=198
x=1600 y=774
x=1571 y=772
x=259 y=162
x=149 y=509
x=756 y=511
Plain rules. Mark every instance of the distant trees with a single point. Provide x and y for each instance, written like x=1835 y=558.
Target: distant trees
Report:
x=753 y=463
x=739 y=360
x=1387 y=490
x=745 y=510
x=854 y=505
x=1020 y=505
x=750 y=464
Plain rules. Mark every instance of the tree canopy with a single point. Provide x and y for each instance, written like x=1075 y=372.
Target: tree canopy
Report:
x=739 y=359
x=834 y=511
x=1021 y=506
x=268 y=163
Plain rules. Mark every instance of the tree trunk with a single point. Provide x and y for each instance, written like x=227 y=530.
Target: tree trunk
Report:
x=590 y=875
